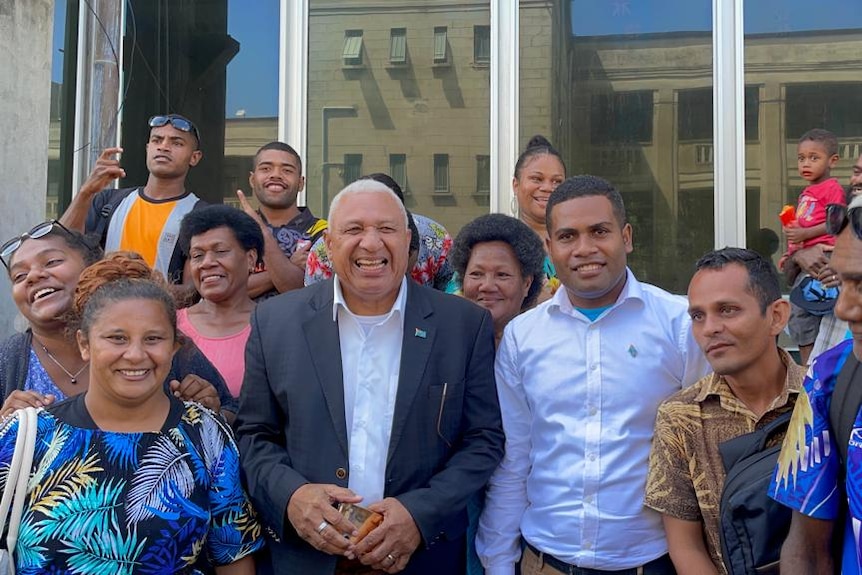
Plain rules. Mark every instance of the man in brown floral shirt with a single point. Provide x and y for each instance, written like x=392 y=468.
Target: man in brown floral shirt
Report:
x=737 y=311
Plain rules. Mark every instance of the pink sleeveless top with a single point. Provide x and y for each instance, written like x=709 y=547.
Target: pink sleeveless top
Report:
x=226 y=353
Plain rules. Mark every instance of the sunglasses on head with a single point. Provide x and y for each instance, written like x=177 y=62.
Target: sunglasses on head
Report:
x=38 y=231
x=839 y=215
x=178 y=122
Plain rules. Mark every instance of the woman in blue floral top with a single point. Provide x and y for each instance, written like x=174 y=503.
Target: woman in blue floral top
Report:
x=126 y=478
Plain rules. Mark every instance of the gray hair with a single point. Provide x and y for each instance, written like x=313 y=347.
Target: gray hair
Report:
x=365 y=186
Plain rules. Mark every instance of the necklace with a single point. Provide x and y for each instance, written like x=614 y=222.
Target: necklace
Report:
x=73 y=377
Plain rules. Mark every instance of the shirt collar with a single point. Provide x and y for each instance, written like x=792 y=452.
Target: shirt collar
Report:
x=339 y=302
x=631 y=290
x=716 y=384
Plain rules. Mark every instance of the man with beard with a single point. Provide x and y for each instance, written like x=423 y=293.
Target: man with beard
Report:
x=144 y=219
x=288 y=230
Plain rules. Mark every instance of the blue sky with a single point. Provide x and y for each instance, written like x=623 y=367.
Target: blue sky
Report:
x=253 y=73
x=604 y=17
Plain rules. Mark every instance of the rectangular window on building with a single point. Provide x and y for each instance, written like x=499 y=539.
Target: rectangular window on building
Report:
x=481 y=44
x=694 y=109
x=483 y=175
x=440 y=45
x=823 y=105
x=398 y=46
x=351 y=53
x=398 y=169
x=352 y=168
x=441 y=173
x=621 y=117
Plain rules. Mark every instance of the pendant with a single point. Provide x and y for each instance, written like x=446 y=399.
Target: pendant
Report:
x=73 y=381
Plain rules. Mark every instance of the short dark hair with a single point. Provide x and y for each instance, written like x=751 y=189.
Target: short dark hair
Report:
x=524 y=242
x=582 y=187
x=246 y=231
x=537 y=146
x=387 y=181
x=281 y=147
x=823 y=137
x=763 y=281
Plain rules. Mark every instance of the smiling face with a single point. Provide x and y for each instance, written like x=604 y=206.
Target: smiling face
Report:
x=171 y=152
x=44 y=273
x=588 y=247
x=276 y=179
x=727 y=321
x=814 y=162
x=219 y=265
x=534 y=184
x=130 y=345
x=493 y=279
x=368 y=243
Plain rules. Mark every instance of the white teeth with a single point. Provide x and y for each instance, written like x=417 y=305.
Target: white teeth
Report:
x=43 y=292
x=133 y=372
x=589 y=267
x=369 y=263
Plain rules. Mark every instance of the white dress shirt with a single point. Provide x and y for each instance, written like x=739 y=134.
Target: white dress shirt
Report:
x=370 y=362
x=579 y=401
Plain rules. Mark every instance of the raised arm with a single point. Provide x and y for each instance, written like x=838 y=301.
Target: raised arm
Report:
x=106 y=170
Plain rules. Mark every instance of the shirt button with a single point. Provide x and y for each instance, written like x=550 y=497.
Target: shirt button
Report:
x=592 y=456
x=593 y=410
x=594 y=367
x=588 y=545
x=588 y=499
x=341 y=473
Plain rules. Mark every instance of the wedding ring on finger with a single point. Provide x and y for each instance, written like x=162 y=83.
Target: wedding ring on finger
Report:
x=323 y=525
x=391 y=557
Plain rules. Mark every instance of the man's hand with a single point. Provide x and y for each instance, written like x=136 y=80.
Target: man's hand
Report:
x=106 y=170
x=195 y=388
x=813 y=261
x=247 y=208
x=312 y=515
x=300 y=256
x=19 y=399
x=390 y=545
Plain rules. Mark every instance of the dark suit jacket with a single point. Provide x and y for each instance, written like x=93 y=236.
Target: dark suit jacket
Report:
x=291 y=423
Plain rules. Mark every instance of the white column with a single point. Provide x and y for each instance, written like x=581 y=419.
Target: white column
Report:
x=293 y=77
x=504 y=103
x=729 y=122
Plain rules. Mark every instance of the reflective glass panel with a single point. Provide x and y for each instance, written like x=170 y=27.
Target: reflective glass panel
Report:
x=623 y=89
x=400 y=87
x=804 y=62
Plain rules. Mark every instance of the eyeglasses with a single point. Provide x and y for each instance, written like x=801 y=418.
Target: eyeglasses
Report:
x=39 y=231
x=178 y=122
x=838 y=216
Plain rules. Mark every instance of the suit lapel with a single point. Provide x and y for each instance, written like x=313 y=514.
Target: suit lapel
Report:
x=321 y=333
x=419 y=334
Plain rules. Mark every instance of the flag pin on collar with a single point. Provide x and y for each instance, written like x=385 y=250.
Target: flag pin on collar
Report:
x=420 y=333
x=633 y=351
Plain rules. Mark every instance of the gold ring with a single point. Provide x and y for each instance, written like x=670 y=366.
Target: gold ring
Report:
x=391 y=557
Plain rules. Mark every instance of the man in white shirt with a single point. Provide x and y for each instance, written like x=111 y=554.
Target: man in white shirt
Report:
x=371 y=389
x=580 y=379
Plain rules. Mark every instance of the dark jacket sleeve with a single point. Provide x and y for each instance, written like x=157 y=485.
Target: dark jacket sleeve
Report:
x=15 y=361
x=190 y=359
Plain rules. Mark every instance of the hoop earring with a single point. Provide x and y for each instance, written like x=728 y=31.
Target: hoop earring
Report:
x=513 y=207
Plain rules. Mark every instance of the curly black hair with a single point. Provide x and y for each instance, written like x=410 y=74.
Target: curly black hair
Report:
x=246 y=231
x=524 y=242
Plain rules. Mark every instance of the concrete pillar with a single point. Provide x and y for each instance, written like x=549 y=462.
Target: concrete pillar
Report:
x=26 y=28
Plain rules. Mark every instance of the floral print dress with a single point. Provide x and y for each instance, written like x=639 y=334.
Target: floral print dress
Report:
x=108 y=503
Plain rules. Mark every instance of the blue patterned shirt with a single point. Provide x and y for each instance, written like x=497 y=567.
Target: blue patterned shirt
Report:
x=807 y=474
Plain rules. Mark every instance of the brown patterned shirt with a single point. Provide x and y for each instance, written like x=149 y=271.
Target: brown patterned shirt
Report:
x=686 y=473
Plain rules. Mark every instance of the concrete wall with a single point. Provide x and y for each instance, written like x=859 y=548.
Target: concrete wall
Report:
x=25 y=90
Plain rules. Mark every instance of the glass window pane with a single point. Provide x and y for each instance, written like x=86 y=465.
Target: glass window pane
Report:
x=398 y=46
x=418 y=109
x=481 y=44
x=805 y=64
x=440 y=44
x=398 y=170
x=624 y=91
x=55 y=176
